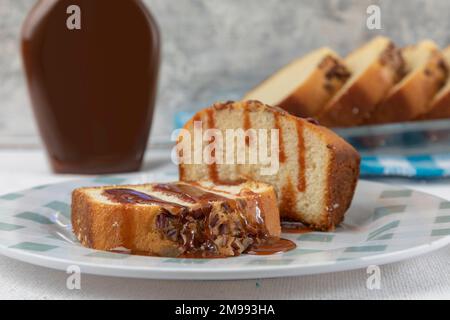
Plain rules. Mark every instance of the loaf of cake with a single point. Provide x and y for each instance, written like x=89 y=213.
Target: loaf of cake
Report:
x=375 y=68
x=317 y=172
x=411 y=97
x=304 y=86
x=439 y=107
x=179 y=219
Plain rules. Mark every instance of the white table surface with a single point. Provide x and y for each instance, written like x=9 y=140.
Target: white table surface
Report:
x=427 y=276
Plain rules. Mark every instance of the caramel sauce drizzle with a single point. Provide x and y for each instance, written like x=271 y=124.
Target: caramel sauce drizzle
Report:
x=130 y=196
x=192 y=194
x=282 y=155
x=301 y=157
x=247 y=125
x=180 y=154
x=128 y=230
x=212 y=168
x=288 y=199
x=181 y=173
x=188 y=193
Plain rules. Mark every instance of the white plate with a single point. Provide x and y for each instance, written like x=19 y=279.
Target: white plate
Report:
x=384 y=224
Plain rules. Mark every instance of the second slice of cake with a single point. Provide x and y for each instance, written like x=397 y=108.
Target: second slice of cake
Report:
x=317 y=172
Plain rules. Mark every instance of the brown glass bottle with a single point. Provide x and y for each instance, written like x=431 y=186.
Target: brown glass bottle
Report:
x=92 y=69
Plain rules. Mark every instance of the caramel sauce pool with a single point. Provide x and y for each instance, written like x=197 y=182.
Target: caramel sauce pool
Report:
x=272 y=246
x=269 y=247
x=213 y=173
x=294 y=227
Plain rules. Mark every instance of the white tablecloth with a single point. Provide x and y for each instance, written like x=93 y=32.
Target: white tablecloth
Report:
x=426 y=277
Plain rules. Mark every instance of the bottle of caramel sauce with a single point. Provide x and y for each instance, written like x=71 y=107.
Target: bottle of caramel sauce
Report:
x=92 y=70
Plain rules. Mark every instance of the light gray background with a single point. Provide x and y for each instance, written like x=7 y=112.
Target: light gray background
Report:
x=218 y=49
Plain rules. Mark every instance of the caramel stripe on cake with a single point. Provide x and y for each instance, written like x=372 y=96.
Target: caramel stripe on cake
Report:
x=128 y=230
x=129 y=196
x=188 y=193
x=301 y=157
x=213 y=174
x=282 y=155
x=181 y=172
x=247 y=125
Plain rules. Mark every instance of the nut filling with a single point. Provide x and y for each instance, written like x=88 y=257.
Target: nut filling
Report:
x=212 y=229
x=335 y=73
x=392 y=57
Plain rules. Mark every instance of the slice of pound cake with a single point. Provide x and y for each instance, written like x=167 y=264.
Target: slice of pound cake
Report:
x=439 y=107
x=199 y=219
x=316 y=171
x=411 y=97
x=375 y=68
x=305 y=85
